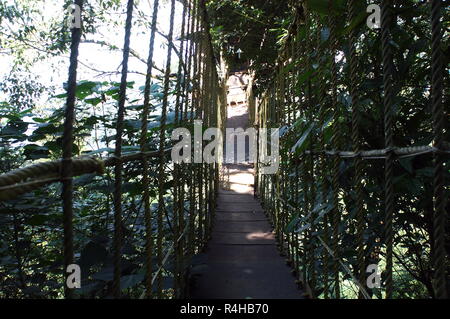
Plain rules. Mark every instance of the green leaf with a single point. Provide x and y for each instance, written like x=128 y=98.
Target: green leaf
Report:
x=33 y=151
x=93 y=101
x=360 y=18
x=39 y=120
x=303 y=78
x=406 y=163
x=91 y=255
x=84 y=179
x=85 y=88
x=45 y=129
x=302 y=142
x=37 y=220
x=15 y=129
x=324 y=7
x=291 y=225
x=60 y=96
x=129 y=281
x=106 y=274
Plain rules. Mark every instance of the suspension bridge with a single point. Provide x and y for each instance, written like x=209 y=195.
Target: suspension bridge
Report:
x=234 y=232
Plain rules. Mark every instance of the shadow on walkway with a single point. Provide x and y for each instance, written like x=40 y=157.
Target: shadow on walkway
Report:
x=241 y=260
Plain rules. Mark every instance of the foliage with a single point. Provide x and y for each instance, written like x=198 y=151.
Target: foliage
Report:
x=31 y=226
x=31 y=126
x=413 y=176
x=255 y=28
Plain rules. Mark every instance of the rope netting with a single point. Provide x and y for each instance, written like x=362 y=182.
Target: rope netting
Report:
x=319 y=199
x=177 y=217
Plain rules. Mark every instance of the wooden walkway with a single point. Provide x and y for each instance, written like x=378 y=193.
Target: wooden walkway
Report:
x=241 y=260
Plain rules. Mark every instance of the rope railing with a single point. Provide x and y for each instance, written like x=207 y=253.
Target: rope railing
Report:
x=398 y=152
x=17 y=182
x=26 y=179
x=320 y=197
x=190 y=184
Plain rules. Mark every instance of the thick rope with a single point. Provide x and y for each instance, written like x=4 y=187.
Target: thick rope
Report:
x=20 y=181
x=335 y=141
x=118 y=151
x=184 y=172
x=67 y=164
x=145 y=169
x=193 y=64
x=386 y=21
x=354 y=92
x=178 y=200
x=440 y=214
x=162 y=138
x=291 y=178
x=190 y=57
x=296 y=74
x=322 y=165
